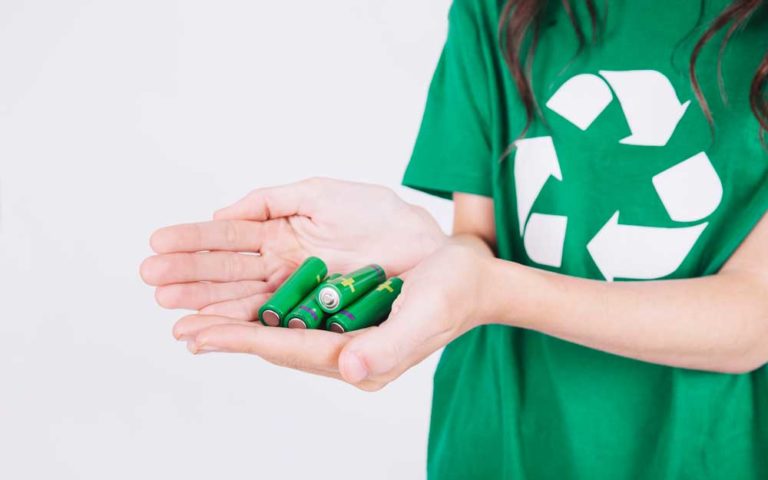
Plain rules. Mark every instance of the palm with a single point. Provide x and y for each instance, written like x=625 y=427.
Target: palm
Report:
x=211 y=267
x=395 y=240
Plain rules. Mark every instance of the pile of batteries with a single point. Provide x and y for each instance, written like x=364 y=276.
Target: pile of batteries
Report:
x=309 y=298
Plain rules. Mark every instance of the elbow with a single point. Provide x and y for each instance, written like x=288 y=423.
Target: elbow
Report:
x=740 y=367
x=746 y=361
x=750 y=351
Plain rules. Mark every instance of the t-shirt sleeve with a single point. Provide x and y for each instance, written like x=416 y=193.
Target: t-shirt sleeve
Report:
x=453 y=151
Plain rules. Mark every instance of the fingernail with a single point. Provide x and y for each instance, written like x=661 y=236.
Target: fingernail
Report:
x=198 y=349
x=354 y=368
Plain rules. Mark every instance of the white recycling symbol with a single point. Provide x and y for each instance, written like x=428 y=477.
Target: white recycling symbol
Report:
x=690 y=190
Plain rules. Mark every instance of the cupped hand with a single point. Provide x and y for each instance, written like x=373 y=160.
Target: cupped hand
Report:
x=443 y=296
x=211 y=266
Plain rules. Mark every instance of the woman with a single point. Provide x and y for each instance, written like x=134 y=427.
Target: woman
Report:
x=582 y=145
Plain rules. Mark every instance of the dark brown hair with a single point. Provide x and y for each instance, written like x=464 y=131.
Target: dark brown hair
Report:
x=520 y=24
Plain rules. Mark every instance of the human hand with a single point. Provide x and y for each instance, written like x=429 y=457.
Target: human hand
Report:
x=207 y=266
x=443 y=296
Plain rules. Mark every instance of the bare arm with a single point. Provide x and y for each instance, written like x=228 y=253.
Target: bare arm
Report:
x=717 y=323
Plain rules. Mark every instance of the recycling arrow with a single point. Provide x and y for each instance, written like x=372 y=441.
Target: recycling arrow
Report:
x=650 y=105
x=690 y=190
x=544 y=238
x=535 y=162
x=640 y=252
x=581 y=99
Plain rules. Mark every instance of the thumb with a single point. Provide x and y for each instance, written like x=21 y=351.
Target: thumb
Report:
x=403 y=340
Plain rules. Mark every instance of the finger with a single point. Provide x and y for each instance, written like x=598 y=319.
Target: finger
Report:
x=187 y=327
x=274 y=202
x=208 y=266
x=195 y=349
x=232 y=235
x=197 y=295
x=407 y=337
x=300 y=349
x=241 y=308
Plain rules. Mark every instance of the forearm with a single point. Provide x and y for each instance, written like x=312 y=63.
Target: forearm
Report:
x=717 y=323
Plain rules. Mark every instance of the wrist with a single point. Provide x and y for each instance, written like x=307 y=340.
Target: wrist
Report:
x=425 y=237
x=511 y=294
x=433 y=241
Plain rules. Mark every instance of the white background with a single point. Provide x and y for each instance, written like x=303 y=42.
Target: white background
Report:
x=118 y=117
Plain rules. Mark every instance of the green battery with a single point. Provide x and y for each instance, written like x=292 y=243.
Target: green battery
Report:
x=308 y=313
x=303 y=280
x=370 y=310
x=336 y=294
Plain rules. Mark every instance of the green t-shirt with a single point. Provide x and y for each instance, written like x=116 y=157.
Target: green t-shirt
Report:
x=622 y=181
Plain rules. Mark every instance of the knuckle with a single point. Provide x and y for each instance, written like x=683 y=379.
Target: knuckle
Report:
x=196 y=230
x=233 y=267
x=254 y=202
x=241 y=289
x=245 y=310
x=231 y=233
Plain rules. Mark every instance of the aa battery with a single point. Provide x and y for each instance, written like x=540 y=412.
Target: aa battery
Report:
x=307 y=313
x=302 y=281
x=342 y=291
x=370 y=310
